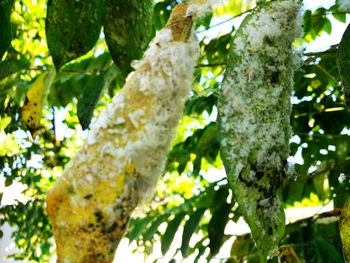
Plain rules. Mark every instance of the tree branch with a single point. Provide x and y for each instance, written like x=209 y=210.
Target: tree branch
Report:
x=123 y=156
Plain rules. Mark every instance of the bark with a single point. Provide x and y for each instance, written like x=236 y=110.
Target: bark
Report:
x=122 y=159
x=254 y=113
x=344 y=227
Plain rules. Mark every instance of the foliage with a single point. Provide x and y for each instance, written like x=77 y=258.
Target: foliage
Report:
x=192 y=197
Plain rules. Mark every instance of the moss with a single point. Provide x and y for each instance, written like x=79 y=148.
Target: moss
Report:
x=254 y=112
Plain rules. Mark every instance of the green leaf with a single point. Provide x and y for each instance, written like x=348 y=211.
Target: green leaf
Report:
x=137 y=226
x=72 y=28
x=9 y=67
x=128 y=30
x=170 y=232
x=5 y=25
x=337 y=13
x=327 y=27
x=343 y=62
x=89 y=98
x=321 y=251
x=153 y=226
x=189 y=228
x=68 y=85
x=218 y=221
x=161 y=13
x=8 y=181
x=93 y=86
x=340 y=17
x=307 y=21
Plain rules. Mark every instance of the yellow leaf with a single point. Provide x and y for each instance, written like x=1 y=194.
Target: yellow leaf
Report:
x=33 y=105
x=345 y=230
x=235 y=7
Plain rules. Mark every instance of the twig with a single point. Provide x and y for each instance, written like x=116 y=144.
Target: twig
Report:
x=329 y=168
x=327 y=73
x=211 y=65
x=73 y=71
x=328 y=110
x=225 y=21
x=328 y=136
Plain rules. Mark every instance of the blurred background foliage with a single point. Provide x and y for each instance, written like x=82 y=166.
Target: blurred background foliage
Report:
x=192 y=199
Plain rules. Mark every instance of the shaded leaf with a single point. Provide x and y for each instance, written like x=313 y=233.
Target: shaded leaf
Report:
x=153 y=226
x=9 y=67
x=137 y=226
x=321 y=251
x=128 y=30
x=170 y=232
x=91 y=94
x=5 y=26
x=68 y=85
x=88 y=101
x=162 y=12
x=72 y=28
x=218 y=221
x=343 y=62
x=189 y=228
x=243 y=246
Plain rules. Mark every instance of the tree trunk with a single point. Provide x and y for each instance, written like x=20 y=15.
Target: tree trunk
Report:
x=254 y=112
x=123 y=156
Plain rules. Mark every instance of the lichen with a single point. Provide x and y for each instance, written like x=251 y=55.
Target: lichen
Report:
x=124 y=154
x=254 y=113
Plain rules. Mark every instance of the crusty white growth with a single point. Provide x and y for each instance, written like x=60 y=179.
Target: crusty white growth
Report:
x=254 y=115
x=124 y=153
x=142 y=137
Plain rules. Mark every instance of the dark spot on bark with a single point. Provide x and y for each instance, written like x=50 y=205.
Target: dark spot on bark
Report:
x=268 y=40
x=70 y=189
x=243 y=180
x=109 y=229
x=88 y=196
x=100 y=255
x=274 y=78
x=259 y=175
x=99 y=216
x=270 y=231
x=123 y=226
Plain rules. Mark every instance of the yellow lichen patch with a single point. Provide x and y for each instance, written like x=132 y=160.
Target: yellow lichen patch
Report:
x=124 y=154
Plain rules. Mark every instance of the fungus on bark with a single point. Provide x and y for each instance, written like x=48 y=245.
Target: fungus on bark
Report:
x=254 y=113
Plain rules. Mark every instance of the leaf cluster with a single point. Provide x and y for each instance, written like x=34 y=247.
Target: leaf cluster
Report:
x=197 y=215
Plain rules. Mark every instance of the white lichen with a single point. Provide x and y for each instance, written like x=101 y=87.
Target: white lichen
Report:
x=124 y=154
x=254 y=112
